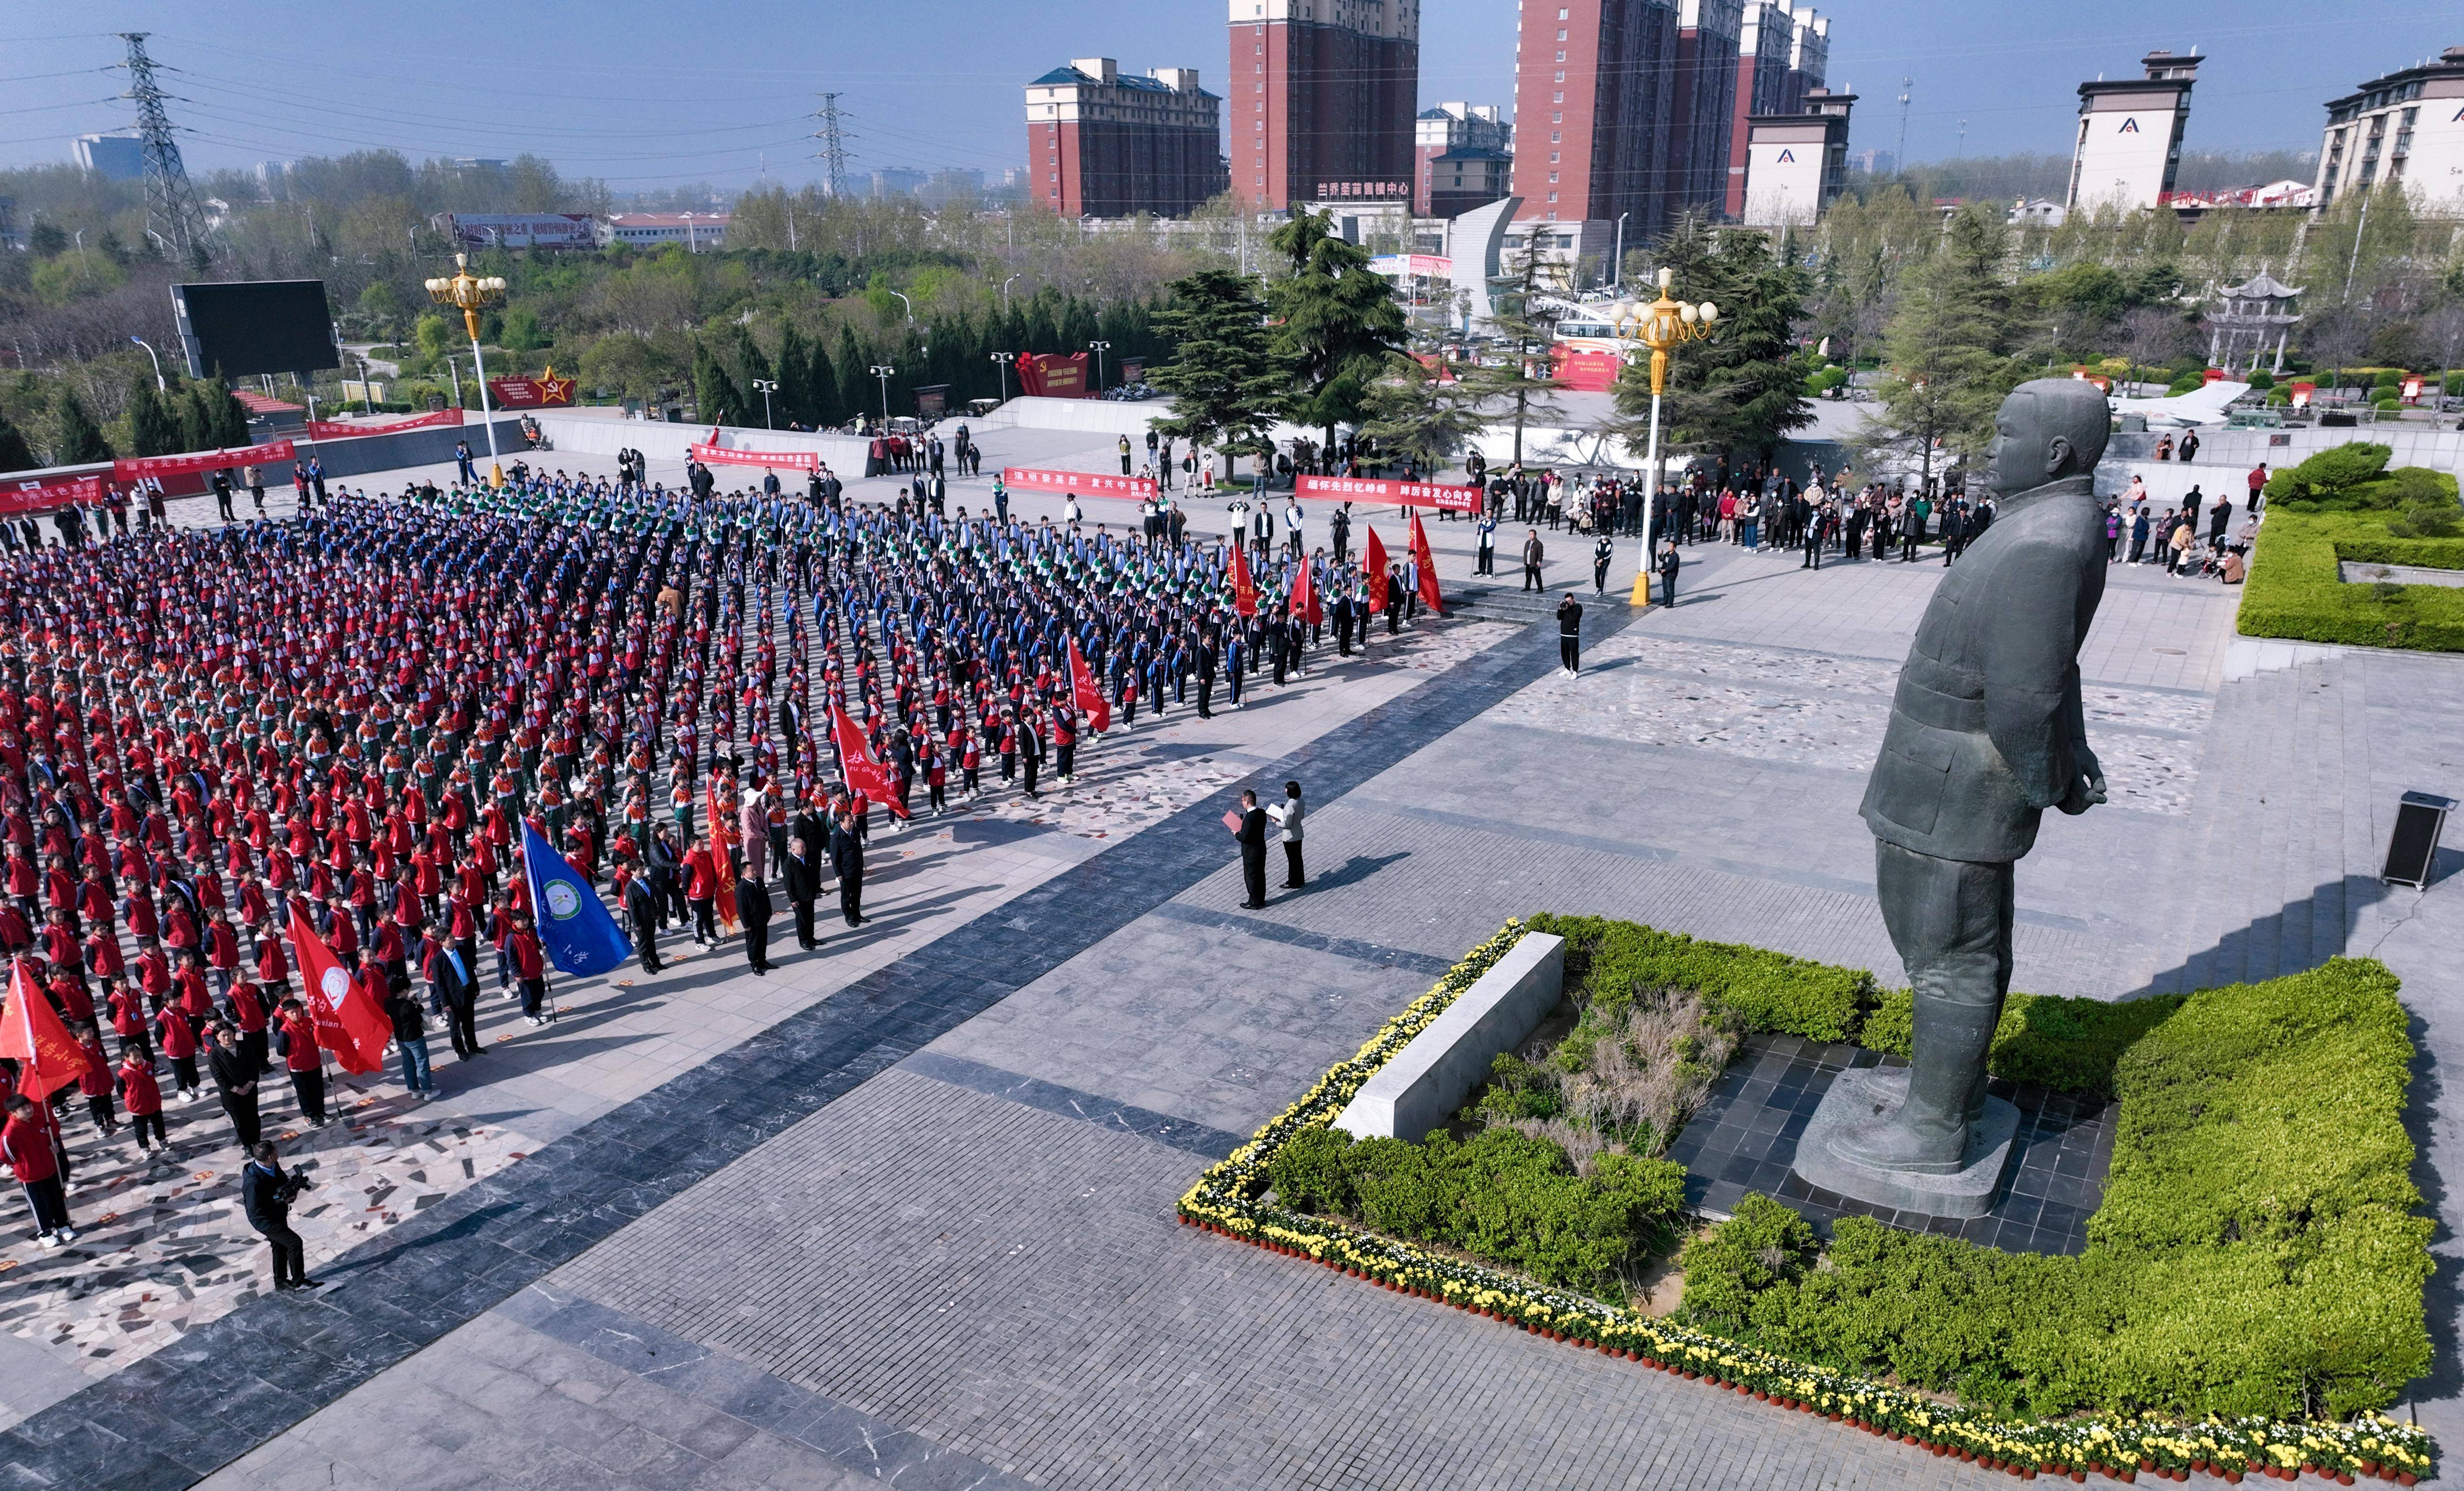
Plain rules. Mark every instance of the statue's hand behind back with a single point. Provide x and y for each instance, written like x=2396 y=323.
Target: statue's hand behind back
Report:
x=2087 y=786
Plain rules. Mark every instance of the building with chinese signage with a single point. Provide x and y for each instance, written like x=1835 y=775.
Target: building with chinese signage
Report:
x=2129 y=140
x=1104 y=144
x=1320 y=99
x=519 y=230
x=1796 y=163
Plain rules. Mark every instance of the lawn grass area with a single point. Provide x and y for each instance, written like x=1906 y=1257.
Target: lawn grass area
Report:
x=2295 y=590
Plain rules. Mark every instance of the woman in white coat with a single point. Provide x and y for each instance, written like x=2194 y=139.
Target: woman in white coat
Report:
x=1288 y=814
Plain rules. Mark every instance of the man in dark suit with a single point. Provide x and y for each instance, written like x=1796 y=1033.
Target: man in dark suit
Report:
x=801 y=869
x=1252 y=836
x=752 y=909
x=1534 y=555
x=456 y=978
x=667 y=875
x=1985 y=732
x=847 y=862
x=791 y=727
x=266 y=1192
x=642 y=916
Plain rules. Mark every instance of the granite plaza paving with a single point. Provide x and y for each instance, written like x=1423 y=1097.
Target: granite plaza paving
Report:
x=904 y=1213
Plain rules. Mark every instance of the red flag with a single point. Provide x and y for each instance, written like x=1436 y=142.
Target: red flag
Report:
x=1244 y=590
x=49 y=1057
x=1305 y=604
x=349 y=1024
x=864 y=775
x=1088 y=694
x=1373 y=564
x=1427 y=560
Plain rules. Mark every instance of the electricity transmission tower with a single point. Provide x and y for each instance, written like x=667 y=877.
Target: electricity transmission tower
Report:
x=1899 y=160
x=173 y=218
x=833 y=146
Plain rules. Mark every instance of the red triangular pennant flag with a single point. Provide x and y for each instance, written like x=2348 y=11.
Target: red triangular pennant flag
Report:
x=49 y=1057
x=864 y=776
x=348 y=1023
x=1427 y=560
x=1305 y=607
x=1244 y=590
x=1373 y=565
x=1090 y=693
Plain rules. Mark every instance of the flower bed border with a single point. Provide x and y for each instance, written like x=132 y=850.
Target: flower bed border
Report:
x=1227 y=1199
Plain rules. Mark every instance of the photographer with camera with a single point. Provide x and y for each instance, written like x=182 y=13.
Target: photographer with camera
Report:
x=267 y=1191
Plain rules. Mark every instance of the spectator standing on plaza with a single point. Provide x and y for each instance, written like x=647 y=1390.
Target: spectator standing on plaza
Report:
x=1668 y=563
x=1532 y=556
x=1487 y=531
x=411 y=1041
x=1570 y=635
x=1601 y=553
x=847 y=862
x=752 y=909
x=1288 y=813
x=2258 y=482
x=1249 y=830
x=803 y=873
x=642 y=918
x=266 y=1193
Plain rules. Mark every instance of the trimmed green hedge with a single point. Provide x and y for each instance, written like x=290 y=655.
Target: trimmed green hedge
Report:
x=2295 y=591
x=2070 y=1045
x=1500 y=1195
x=2256 y=1251
x=1766 y=989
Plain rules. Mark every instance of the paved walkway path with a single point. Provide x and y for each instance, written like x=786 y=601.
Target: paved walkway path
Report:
x=920 y=1226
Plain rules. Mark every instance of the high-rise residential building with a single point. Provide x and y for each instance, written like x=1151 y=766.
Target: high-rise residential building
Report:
x=1809 y=55
x=1594 y=98
x=1796 y=163
x=1320 y=98
x=2407 y=126
x=2129 y=140
x=1694 y=170
x=111 y=157
x=1104 y=144
x=1451 y=127
x=1766 y=39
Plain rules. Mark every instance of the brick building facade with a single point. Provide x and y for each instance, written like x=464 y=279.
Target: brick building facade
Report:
x=1104 y=144
x=1320 y=100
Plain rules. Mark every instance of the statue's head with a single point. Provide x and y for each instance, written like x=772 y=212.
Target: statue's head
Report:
x=2049 y=429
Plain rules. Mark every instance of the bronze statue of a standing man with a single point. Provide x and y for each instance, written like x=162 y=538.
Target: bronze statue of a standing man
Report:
x=1985 y=732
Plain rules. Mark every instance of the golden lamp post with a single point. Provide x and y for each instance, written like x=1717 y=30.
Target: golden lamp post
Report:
x=1660 y=326
x=470 y=294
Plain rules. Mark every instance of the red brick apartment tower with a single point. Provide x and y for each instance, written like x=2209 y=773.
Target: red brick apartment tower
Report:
x=1763 y=46
x=1595 y=100
x=1101 y=144
x=1320 y=98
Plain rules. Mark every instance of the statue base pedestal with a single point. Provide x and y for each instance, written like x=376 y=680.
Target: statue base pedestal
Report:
x=1859 y=1094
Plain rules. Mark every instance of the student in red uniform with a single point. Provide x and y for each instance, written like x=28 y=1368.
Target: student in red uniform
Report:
x=179 y=1035
x=530 y=966
x=144 y=1096
x=301 y=1058
x=95 y=1083
x=25 y=1144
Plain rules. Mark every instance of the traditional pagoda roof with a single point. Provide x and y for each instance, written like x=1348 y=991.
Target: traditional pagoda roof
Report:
x=2263 y=286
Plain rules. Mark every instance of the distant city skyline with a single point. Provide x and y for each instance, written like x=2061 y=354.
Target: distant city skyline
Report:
x=620 y=92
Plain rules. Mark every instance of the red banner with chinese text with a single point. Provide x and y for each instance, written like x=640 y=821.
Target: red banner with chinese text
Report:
x=1445 y=497
x=43 y=493
x=1092 y=484
x=1054 y=375
x=129 y=468
x=545 y=392
x=341 y=429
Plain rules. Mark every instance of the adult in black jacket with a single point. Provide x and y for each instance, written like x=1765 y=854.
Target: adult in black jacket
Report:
x=667 y=876
x=752 y=909
x=234 y=1070
x=801 y=869
x=642 y=916
x=266 y=1191
x=457 y=977
x=847 y=862
x=1252 y=836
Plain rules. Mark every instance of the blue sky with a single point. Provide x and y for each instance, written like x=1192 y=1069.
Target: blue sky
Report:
x=652 y=95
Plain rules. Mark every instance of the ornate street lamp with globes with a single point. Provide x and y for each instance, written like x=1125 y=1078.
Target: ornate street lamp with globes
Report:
x=470 y=294
x=1661 y=326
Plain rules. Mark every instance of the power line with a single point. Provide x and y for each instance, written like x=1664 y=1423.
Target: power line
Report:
x=173 y=215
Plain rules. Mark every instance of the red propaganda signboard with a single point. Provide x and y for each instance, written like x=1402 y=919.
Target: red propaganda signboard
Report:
x=131 y=468
x=1445 y=497
x=547 y=391
x=43 y=493
x=710 y=452
x=338 y=430
x=1053 y=375
x=1583 y=370
x=1092 y=484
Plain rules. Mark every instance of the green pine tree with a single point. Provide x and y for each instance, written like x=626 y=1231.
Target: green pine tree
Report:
x=1743 y=388
x=856 y=387
x=716 y=400
x=1226 y=378
x=225 y=418
x=1522 y=379
x=1338 y=322
x=1947 y=350
x=153 y=425
x=794 y=396
x=1413 y=413
x=80 y=438
x=821 y=388
x=15 y=456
